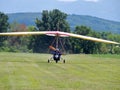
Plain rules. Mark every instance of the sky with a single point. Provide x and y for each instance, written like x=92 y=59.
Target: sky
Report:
x=106 y=9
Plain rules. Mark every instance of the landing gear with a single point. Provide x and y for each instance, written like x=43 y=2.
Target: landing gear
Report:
x=51 y=59
x=56 y=61
x=48 y=61
x=64 y=61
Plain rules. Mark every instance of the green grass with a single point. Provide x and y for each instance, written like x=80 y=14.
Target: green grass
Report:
x=24 y=71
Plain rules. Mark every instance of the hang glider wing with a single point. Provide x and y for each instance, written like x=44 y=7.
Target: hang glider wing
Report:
x=21 y=33
x=65 y=34
x=92 y=38
x=49 y=33
x=58 y=33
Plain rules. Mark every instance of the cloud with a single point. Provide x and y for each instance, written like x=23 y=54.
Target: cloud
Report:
x=91 y=0
x=67 y=0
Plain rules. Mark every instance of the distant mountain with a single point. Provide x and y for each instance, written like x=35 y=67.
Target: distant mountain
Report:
x=95 y=23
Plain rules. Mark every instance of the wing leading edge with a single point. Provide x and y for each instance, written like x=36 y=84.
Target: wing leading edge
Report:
x=92 y=38
x=58 y=33
x=21 y=33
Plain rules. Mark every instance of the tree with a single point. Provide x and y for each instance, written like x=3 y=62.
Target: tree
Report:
x=17 y=43
x=58 y=21
x=51 y=20
x=3 y=26
x=85 y=46
x=39 y=43
x=3 y=22
x=43 y=25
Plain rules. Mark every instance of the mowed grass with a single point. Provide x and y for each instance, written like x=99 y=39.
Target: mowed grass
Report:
x=25 y=71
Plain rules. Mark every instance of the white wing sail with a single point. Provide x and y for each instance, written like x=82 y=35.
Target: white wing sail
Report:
x=59 y=34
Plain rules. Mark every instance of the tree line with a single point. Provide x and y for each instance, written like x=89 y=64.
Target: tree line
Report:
x=52 y=21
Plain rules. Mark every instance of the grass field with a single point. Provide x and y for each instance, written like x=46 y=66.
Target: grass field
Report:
x=24 y=71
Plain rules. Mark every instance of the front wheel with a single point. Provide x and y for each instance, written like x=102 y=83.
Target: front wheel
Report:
x=56 y=61
x=48 y=61
x=63 y=61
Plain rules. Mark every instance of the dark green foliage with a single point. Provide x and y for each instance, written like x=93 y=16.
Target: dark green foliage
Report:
x=90 y=47
x=3 y=26
x=85 y=46
x=17 y=43
x=39 y=44
x=3 y=22
x=51 y=20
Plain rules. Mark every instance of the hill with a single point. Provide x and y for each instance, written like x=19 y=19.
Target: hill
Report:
x=25 y=71
x=97 y=24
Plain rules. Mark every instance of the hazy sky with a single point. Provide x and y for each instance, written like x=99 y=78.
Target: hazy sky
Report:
x=107 y=9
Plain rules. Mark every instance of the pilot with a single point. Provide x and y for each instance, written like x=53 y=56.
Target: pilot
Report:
x=56 y=54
